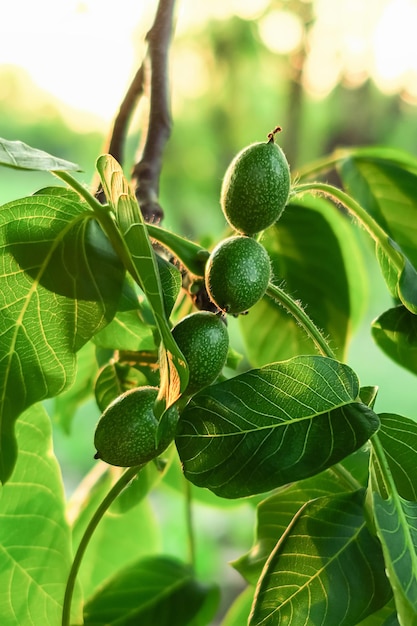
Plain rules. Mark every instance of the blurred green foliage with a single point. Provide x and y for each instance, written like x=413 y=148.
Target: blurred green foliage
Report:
x=246 y=90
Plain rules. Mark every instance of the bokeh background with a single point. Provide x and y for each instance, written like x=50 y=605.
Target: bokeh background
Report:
x=331 y=73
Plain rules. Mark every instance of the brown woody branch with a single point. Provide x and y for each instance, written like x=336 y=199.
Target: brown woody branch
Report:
x=146 y=172
x=121 y=123
x=116 y=143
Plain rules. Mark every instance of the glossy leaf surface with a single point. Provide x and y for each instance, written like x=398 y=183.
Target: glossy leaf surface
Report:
x=395 y=521
x=115 y=378
x=399 y=274
x=328 y=563
x=171 y=282
x=190 y=254
x=272 y=426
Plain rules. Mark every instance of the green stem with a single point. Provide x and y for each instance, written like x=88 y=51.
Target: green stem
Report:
x=296 y=310
x=374 y=229
x=82 y=191
x=117 y=488
x=189 y=523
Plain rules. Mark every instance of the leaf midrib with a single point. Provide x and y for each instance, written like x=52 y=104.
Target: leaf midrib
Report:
x=282 y=424
x=318 y=572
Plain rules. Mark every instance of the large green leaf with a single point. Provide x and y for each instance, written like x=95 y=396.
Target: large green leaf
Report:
x=398 y=436
x=385 y=187
x=327 y=569
x=396 y=523
x=155 y=590
x=60 y=283
x=35 y=552
x=142 y=263
x=276 y=512
x=315 y=252
x=272 y=426
x=395 y=331
x=20 y=156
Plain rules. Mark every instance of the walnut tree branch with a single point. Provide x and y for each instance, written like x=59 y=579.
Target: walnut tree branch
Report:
x=121 y=122
x=147 y=171
x=116 y=143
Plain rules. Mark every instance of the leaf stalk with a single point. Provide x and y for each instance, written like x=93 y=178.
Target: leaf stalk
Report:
x=373 y=228
x=295 y=309
x=114 y=492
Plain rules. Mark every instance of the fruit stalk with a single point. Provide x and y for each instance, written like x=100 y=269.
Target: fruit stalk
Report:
x=296 y=310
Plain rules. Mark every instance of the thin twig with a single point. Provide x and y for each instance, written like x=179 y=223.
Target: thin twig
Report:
x=116 y=142
x=121 y=123
x=147 y=171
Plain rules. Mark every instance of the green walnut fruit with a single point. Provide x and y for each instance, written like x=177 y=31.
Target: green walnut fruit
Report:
x=237 y=274
x=126 y=431
x=204 y=341
x=256 y=187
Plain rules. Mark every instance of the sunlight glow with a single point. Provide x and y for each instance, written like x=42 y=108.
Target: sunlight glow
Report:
x=395 y=46
x=281 y=31
x=340 y=44
x=84 y=52
x=71 y=48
